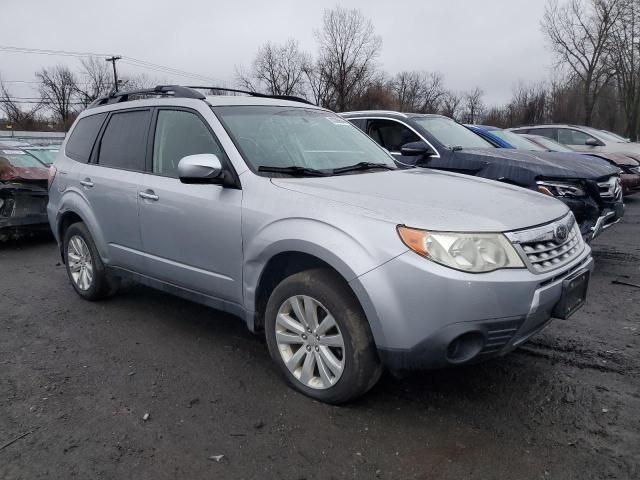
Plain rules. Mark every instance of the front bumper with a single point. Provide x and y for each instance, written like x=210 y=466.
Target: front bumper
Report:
x=419 y=310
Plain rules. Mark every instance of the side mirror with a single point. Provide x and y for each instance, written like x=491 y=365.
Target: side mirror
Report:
x=415 y=149
x=592 y=142
x=201 y=168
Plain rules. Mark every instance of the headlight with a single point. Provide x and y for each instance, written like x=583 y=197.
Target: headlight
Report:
x=560 y=189
x=469 y=252
x=635 y=170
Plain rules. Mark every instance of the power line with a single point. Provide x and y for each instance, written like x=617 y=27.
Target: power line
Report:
x=128 y=60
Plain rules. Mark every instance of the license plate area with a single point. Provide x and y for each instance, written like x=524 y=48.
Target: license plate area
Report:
x=574 y=294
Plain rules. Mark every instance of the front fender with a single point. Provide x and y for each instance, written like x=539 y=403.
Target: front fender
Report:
x=340 y=249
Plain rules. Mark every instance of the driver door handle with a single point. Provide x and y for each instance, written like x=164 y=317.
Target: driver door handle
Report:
x=148 y=195
x=86 y=183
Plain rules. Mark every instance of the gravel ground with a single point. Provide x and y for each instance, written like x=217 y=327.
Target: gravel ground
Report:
x=78 y=378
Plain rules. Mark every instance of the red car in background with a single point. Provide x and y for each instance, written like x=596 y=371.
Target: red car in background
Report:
x=23 y=193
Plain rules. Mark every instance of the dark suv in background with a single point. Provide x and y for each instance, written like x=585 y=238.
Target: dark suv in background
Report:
x=590 y=188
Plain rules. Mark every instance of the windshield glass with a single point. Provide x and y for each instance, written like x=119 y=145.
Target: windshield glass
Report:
x=20 y=159
x=551 y=145
x=620 y=138
x=44 y=155
x=602 y=135
x=299 y=137
x=451 y=134
x=516 y=141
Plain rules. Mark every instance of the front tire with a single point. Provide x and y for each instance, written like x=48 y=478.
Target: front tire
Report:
x=319 y=337
x=85 y=269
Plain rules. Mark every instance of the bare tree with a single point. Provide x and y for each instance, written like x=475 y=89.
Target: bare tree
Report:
x=451 y=105
x=625 y=55
x=95 y=80
x=276 y=69
x=420 y=92
x=23 y=116
x=579 y=32
x=141 y=81
x=318 y=84
x=474 y=105
x=348 y=47
x=58 y=86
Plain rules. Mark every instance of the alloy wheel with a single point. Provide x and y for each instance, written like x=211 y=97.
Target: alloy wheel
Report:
x=310 y=342
x=80 y=262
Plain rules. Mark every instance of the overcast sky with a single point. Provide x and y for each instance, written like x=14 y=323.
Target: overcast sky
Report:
x=493 y=44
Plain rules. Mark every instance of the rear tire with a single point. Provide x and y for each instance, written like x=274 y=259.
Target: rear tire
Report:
x=314 y=324
x=85 y=269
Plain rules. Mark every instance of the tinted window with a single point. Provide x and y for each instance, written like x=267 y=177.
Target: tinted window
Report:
x=572 y=137
x=83 y=137
x=520 y=130
x=391 y=135
x=124 y=141
x=178 y=134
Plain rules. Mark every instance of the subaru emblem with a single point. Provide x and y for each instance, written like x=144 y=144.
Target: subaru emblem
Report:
x=561 y=233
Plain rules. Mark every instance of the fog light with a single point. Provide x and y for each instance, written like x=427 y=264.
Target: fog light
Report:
x=464 y=347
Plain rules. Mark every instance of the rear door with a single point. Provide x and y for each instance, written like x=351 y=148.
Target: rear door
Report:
x=110 y=184
x=191 y=233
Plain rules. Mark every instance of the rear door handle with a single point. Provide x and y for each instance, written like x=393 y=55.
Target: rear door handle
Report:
x=148 y=195
x=86 y=183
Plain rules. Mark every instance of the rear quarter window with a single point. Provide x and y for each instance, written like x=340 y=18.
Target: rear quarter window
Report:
x=83 y=137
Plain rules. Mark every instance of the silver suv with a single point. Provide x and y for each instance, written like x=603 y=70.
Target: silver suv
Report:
x=291 y=218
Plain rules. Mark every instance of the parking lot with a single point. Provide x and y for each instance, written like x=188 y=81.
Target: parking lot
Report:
x=78 y=378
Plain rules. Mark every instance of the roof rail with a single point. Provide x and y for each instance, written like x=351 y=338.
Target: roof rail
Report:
x=291 y=98
x=176 y=91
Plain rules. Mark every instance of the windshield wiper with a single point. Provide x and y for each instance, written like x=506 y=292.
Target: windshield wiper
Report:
x=294 y=170
x=361 y=166
x=455 y=148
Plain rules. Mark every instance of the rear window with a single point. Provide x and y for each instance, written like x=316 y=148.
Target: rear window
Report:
x=83 y=137
x=124 y=141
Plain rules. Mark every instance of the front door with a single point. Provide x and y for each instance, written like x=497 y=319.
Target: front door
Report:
x=191 y=234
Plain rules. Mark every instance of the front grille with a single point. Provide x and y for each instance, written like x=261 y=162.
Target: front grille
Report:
x=550 y=246
x=610 y=189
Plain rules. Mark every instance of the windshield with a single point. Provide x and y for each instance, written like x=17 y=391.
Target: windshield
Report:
x=602 y=135
x=550 y=144
x=44 y=155
x=620 y=138
x=298 y=137
x=516 y=141
x=20 y=159
x=451 y=134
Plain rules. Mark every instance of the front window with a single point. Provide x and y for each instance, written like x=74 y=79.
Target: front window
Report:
x=283 y=137
x=516 y=141
x=451 y=134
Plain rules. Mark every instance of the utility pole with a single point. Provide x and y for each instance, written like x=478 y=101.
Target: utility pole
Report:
x=115 y=72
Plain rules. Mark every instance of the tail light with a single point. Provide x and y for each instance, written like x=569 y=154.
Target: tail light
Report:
x=52 y=175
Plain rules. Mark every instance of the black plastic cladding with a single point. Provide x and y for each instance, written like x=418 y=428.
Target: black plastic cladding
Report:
x=178 y=91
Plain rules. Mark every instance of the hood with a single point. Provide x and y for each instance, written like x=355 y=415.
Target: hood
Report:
x=618 y=159
x=17 y=174
x=428 y=199
x=545 y=164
